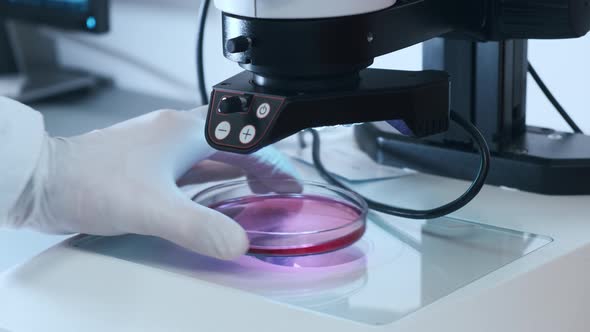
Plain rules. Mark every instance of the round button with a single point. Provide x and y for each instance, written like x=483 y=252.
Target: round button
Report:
x=222 y=130
x=247 y=134
x=263 y=111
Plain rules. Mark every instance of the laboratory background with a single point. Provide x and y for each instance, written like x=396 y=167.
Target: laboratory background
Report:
x=147 y=60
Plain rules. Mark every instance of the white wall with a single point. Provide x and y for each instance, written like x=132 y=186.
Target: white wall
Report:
x=565 y=67
x=161 y=34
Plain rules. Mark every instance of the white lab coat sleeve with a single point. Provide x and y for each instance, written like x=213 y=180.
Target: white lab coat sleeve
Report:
x=22 y=134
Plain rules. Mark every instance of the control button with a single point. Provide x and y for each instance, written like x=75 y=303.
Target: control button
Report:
x=234 y=104
x=247 y=134
x=263 y=111
x=222 y=130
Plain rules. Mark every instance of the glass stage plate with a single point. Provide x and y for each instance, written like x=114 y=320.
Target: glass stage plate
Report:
x=398 y=267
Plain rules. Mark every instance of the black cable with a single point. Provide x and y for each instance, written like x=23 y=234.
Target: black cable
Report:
x=553 y=100
x=440 y=211
x=202 y=20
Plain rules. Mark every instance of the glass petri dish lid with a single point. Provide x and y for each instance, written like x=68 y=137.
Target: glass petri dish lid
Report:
x=294 y=220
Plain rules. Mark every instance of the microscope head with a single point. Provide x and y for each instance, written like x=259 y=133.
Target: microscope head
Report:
x=304 y=44
x=292 y=39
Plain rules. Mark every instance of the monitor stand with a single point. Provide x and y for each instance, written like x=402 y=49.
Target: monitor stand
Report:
x=29 y=70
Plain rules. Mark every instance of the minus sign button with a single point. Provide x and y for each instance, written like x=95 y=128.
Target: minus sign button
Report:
x=222 y=130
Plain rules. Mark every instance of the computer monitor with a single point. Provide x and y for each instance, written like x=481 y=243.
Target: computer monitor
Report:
x=86 y=15
x=28 y=60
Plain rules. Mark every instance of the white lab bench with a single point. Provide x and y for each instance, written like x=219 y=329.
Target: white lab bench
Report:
x=509 y=261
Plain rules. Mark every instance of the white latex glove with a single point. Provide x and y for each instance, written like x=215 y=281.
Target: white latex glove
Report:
x=123 y=179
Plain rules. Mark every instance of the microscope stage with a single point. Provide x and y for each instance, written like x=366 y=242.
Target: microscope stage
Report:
x=397 y=268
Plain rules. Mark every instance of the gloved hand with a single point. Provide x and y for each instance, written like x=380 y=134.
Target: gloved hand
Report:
x=123 y=179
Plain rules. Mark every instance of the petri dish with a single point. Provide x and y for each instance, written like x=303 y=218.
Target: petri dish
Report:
x=296 y=220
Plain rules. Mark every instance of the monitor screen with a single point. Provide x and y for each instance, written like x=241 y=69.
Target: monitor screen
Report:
x=88 y=15
x=75 y=5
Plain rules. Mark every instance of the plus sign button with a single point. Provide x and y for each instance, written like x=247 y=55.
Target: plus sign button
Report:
x=247 y=134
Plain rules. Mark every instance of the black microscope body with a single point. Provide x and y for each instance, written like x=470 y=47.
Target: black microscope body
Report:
x=309 y=73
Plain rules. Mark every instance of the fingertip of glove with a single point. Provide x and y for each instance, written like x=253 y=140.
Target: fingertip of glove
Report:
x=203 y=231
x=229 y=239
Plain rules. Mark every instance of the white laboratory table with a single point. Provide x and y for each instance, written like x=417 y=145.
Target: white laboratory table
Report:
x=509 y=261
x=73 y=115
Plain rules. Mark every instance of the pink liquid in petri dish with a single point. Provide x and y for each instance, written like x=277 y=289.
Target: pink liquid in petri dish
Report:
x=294 y=225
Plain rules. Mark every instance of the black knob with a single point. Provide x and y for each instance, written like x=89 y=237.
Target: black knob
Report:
x=233 y=104
x=543 y=19
x=238 y=45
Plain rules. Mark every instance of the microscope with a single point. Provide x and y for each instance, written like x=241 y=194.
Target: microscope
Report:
x=306 y=66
